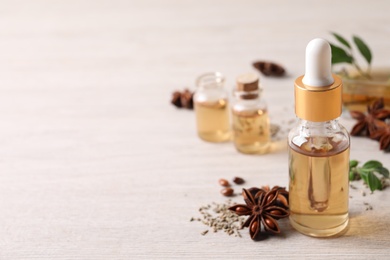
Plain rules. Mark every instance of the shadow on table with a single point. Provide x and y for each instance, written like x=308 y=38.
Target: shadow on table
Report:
x=362 y=227
x=370 y=225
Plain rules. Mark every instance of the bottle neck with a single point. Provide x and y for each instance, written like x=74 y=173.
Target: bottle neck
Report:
x=210 y=81
x=247 y=95
x=311 y=124
x=326 y=128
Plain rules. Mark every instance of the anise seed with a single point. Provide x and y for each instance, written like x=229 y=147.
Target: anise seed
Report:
x=276 y=212
x=241 y=209
x=269 y=223
x=282 y=199
x=266 y=188
x=254 y=226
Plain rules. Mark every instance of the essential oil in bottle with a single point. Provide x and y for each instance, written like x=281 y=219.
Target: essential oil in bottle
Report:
x=212 y=108
x=318 y=149
x=251 y=127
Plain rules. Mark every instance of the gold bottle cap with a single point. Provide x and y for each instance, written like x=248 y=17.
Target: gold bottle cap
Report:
x=318 y=104
x=247 y=82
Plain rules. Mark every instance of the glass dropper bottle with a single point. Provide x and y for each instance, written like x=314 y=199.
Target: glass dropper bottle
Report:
x=318 y=149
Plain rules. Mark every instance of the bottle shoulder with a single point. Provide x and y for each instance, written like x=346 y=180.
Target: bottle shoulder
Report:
x=319 y=138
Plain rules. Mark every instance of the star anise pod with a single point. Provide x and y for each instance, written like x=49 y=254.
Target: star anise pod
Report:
x=281 y=200
x=176 y=99
x=183 y=99
x=368 y=123
x=378 y=111
x=262 y=211
x=269 y=68
x=187 y=99
x=383 y=136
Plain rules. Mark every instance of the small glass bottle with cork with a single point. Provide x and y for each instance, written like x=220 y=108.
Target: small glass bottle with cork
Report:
x=251 y=126
x=212 y=108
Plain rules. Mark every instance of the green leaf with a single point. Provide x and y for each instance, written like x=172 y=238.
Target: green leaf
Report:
x=363 y=48
x=364 y=175
x=339 y=55
x=353 y=163
x=384 y=171
x=373 y=182
x=342 y=40
x=372 y=165
x=351 y=175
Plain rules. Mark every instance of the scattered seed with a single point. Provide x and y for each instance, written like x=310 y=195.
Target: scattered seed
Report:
x=274 y=129
x=220 y=218
x=227 y=192
x=204 y=232
x=352 y=187
x=369 y=208
x=385 y=182
x=291 y=121
x=238 y=180
x=224 y=183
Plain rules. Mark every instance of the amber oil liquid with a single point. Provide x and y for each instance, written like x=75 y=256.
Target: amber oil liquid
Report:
x=319 y=188
x=251 y=131
x=213 y=120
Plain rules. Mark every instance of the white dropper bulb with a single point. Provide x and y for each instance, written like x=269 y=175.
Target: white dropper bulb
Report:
x=318 y=64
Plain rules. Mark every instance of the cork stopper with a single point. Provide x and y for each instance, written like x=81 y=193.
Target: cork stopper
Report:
x=248 y=82
x=248 y=85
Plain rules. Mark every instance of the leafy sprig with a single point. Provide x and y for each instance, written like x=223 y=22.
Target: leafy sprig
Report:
x=369 y=173
x=344 y=53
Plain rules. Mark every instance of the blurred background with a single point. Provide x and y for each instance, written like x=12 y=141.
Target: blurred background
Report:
x=88 y=132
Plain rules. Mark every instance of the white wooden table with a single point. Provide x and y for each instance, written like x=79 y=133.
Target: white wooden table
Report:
x=96 y=164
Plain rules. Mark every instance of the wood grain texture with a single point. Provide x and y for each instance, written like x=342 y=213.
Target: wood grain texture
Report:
x=95 y=162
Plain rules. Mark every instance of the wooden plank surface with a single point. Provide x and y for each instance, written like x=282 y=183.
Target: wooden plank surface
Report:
x=95 y=162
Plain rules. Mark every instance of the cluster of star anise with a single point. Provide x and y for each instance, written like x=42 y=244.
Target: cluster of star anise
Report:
x=374 y=124
x=264 y=207
x=183 y=99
